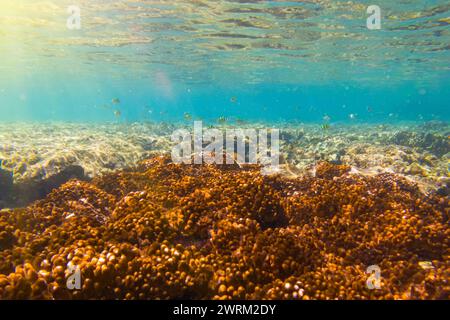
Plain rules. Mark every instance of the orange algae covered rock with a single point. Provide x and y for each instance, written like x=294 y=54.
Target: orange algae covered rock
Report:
x=168 y=231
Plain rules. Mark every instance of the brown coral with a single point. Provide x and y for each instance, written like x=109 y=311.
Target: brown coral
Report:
x=168 y=231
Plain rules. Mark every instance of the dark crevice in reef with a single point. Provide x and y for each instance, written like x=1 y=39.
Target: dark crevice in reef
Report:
x=14 y=195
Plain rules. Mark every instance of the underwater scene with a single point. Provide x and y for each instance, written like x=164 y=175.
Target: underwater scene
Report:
x=224 y=150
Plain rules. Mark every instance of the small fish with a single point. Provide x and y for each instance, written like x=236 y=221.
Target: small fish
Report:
x=115 y=101
x=369 y=109
x=117 y=113
x=325 y=126
x=187 y=116
x=233 y=99
x=221 y=120
x=326 y=118
x=352 y=116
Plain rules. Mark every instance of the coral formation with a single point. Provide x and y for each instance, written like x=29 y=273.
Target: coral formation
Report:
x=35 y=154
x=38 y=151
x=434 y=143
x=168 y=231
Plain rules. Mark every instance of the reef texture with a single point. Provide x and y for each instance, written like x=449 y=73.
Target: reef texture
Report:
x=419 y=152
x=37 y=157
x=165 y=231
x=41 y=156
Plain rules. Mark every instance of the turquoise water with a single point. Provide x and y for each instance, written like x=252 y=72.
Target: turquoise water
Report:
x=252 y=60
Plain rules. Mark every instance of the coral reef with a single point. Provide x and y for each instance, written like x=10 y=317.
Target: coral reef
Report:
x=41 y=156
x=438 y=145
x=35 y=153
x=420 y=152
x=167 y=231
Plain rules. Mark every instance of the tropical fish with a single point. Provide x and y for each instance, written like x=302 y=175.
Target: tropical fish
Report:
x=326 y=118
x=115 y=101
x=352 y=116
x=233 y=99
x=117 y=113
x=325 y=126
x=187 y=116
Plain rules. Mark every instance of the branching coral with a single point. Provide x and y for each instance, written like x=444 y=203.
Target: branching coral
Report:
x=166 y=231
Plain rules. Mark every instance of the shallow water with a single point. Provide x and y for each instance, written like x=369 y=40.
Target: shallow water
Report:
x=277 y=59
